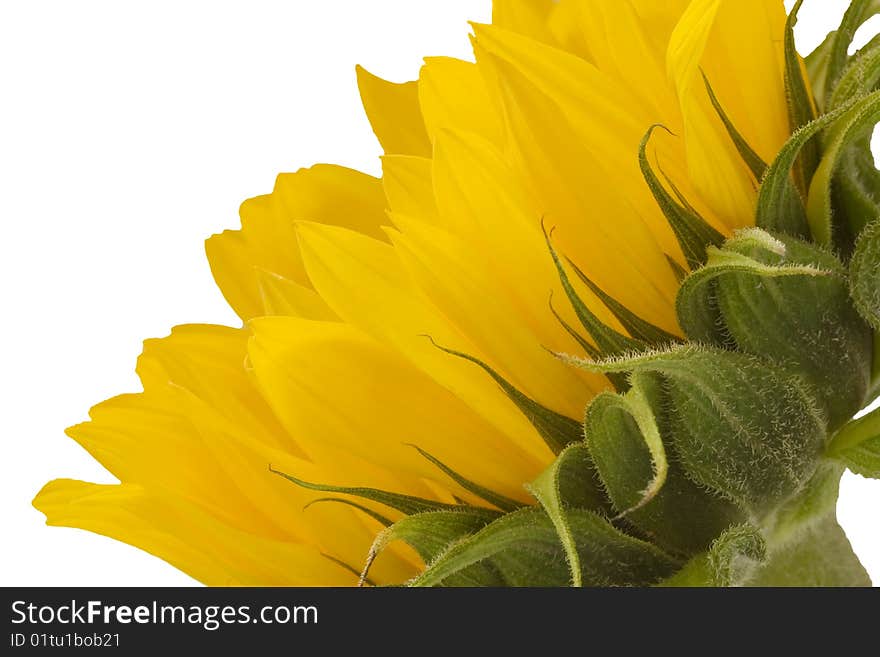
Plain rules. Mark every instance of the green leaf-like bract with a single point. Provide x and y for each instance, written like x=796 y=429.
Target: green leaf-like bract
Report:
x=626 y=435
x=787 y=301
x=753 y=161
x=800 y=104
x=495 y=499
x=407 y=504
x=638 y=328
x=607 y=556
x=858 y=12
x=559 y=488
x=693 y=232
x=858 y=120
x=741 y=427
x=557 y=430
x=860 y=77
x=429 y=534
x=780 y=206
x=696 y=303
x=608 y=340
x=864 y=275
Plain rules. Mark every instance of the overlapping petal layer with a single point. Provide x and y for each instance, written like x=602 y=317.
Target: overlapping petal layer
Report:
x=339 y=277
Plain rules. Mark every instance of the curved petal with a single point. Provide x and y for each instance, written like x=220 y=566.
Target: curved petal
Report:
x=330 y=383
x=186 y=537
x=453 y=96
x=409 y=186
x=363 y=281
x=393 y=111
x=267 y=239
x=718 y=173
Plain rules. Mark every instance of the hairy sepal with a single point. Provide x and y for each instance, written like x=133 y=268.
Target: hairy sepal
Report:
x=525 y=546
x=627 y=436
x=748 y=430
x=785 y=300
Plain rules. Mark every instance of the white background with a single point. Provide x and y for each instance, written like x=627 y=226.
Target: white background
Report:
x=129 y=132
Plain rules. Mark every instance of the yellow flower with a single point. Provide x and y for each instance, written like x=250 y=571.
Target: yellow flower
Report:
x=338 y=277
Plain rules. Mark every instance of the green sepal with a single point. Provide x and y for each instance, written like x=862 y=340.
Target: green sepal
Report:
x=817 y=69
x=753 y=161
x=856 y=179
x=407 y=504
x=780 y=207
x=625 y=439
x=678 y=271
x=607 y=556
x=864 y=275
x=592 y=351
x=858 y=12
x=730 y=561
x=693 y=232
x=741 y=427
x=378 y=517
x=860 y=77
x=624 y=442
x=800 y=104
x=696 y=303
x=857 y=445
x=557 y=430
x=429 y=534
x=859 y=118
x=855 y=193
x=553 y=489
x=497 y=500
x=607 y=339
x=637 y=327
x=806 y=322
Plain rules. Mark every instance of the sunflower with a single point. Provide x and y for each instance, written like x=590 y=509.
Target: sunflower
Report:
x=654 y=212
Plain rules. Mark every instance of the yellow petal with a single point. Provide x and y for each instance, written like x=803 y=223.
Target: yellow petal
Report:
x=202 y=432
x=745 y=62
x=564 y=24
x=393 y=111
x=620 y=47
x=208 y=362
x=409 y=186
x=622 y=257
x=658 y=19
x=267 y=240
x=606 y=108
x=332 y=194
x=330 y=383
x=718 y=173
x=480 y=199
x=186 y=537
x=457 y=279
x=599 y=127
x=233 y=254
x=453 y=96
x=527 y=17
x=281 y=296
x=364 y=283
